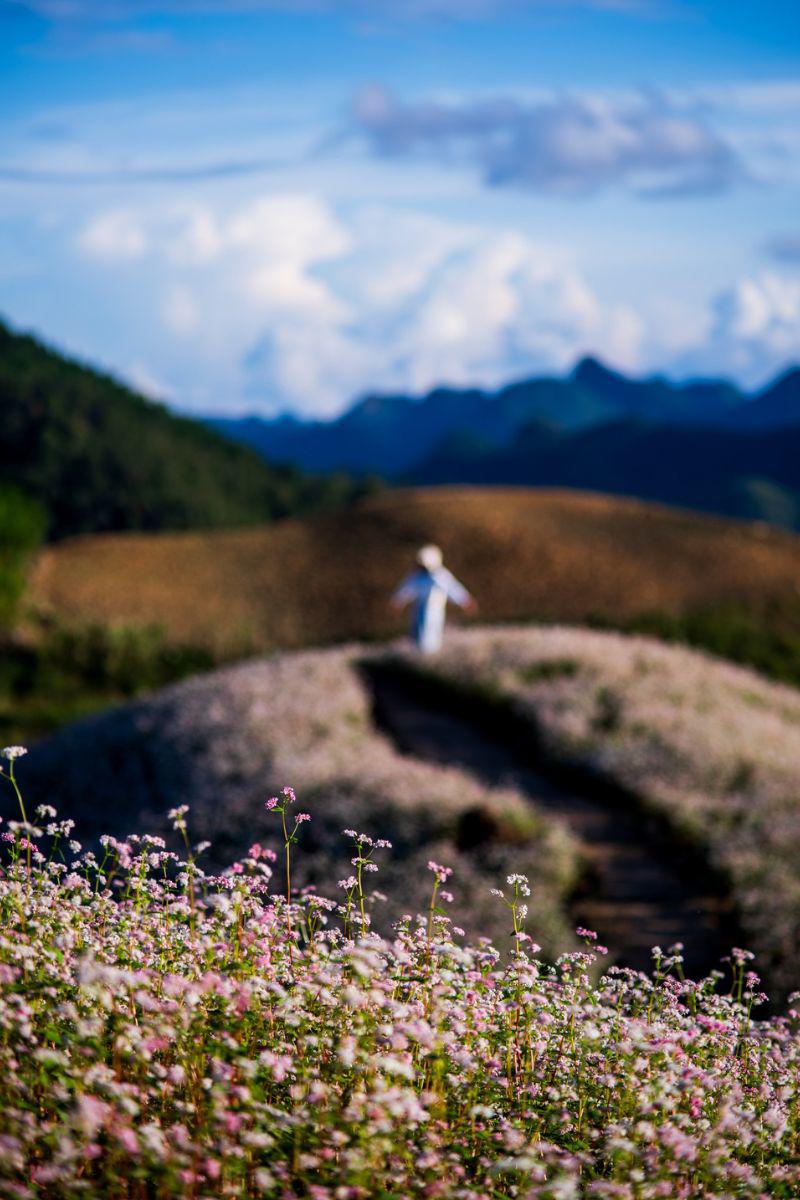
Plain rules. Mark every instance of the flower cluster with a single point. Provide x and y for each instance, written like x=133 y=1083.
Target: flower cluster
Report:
x=166 y=1032
x=12 y=752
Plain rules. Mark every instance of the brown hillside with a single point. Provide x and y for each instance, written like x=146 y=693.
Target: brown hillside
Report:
x=553 y=555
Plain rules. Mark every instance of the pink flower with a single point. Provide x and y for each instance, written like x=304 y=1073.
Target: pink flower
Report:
x=441 y=873
x=272 y=803
x=302 y=817
x=127 y=1139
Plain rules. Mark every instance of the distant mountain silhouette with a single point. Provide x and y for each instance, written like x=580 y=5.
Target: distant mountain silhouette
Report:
x=392 y=434
x=778 y=406
x=704 y=444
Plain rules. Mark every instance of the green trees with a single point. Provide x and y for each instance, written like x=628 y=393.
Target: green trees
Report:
x=22 y=523
x=98 y=457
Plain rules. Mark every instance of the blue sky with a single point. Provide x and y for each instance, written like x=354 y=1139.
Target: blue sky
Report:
x=257 y=205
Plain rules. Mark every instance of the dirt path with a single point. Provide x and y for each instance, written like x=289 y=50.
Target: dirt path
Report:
x=638 y=892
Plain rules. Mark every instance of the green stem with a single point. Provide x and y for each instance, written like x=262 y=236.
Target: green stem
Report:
x=20 y=801
x=287 y=846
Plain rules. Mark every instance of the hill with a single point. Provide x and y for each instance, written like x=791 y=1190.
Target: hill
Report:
x=752 y=474
x=517 y=736
x=99 y=457
x=173 y=1032
x=526 y=554
x=231 y=738
x=393 y=435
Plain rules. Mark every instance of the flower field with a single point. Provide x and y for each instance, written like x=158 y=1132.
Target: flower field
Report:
x=166 y=1032
x=712 y=748
x=220 y=741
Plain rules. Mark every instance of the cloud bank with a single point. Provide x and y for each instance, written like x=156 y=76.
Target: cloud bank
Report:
x=755 y=328
x=568 y=145
x=280 y=303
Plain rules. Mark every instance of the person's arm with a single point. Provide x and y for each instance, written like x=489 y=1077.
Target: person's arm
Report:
x=455 y=590
x=405 y=593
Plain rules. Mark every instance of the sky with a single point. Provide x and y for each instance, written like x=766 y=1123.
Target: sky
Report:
x=266 y=206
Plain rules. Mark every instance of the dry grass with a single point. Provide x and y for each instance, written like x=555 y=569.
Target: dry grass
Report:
x=551 y=555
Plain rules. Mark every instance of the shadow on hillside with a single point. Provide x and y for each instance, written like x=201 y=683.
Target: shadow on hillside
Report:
x=642 y=886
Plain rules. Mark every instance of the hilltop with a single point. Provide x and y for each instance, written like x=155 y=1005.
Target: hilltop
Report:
x=97 y=456
x=526 y=554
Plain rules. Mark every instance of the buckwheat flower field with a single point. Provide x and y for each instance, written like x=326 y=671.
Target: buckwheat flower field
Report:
x=711 y=748
x=169 y=1033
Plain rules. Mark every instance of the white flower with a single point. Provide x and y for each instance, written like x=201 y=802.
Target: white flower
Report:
x=12 y=752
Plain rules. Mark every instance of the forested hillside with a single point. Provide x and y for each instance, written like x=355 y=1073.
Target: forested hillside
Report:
x=98 y=457
x=749 y=474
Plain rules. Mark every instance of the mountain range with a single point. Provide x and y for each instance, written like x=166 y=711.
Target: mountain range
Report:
x=704 y=444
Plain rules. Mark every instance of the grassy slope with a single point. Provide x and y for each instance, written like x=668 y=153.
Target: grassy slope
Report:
x=526 y=554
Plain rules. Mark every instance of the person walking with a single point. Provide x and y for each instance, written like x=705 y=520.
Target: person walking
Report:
x=427 y=590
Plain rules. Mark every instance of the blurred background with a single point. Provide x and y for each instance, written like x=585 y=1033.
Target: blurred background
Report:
x=368 y=246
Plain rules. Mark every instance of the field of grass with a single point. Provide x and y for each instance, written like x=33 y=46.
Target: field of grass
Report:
x=711 y=748
x=526 y=555
x=170 y=1033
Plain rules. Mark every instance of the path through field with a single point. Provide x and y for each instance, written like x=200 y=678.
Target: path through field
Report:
x=639 y=891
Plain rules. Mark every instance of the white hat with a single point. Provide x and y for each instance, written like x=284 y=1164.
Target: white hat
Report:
x=429 y=557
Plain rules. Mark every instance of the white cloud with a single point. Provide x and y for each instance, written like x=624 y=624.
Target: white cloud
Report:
x=566 y=145
x=181 y=312
x=118 y=235
x=754 y=330
x=279 y=303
